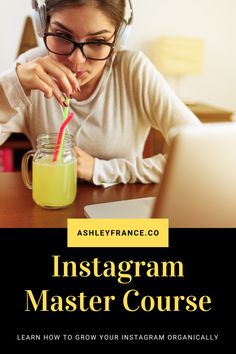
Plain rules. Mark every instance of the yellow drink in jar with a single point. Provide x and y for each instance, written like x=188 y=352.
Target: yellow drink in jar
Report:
x=54 y=184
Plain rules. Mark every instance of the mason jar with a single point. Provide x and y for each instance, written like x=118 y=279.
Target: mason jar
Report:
x=54 y=171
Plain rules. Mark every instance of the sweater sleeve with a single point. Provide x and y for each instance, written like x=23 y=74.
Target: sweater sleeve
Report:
x=12 y=94
x=13 y=100
x=148 y=170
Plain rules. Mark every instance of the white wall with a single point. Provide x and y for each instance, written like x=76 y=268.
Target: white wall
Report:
x=12 y=17
x=213 y=20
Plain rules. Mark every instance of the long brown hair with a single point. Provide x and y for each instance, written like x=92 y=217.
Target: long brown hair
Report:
x=114 y=9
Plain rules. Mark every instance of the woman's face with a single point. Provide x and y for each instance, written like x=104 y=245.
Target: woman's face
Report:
x=82 y=24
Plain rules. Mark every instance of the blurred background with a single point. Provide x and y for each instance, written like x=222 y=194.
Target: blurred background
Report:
x=211 y=22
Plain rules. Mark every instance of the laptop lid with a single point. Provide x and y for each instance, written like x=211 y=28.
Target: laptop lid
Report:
x=198 y=188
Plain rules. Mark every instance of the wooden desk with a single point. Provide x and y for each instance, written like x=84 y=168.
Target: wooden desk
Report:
x=210 y=114
x=17 y=209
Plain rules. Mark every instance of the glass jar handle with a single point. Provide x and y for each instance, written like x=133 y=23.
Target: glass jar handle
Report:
x=25 y=170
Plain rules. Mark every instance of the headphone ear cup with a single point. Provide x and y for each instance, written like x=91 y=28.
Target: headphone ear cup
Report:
x=125 y=28
x=122 y=34
x=40 y=16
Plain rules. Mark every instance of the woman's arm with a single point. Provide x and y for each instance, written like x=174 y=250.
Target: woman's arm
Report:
x=109 y=172
x=148 y=170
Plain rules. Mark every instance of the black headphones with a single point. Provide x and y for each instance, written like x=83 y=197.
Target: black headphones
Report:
x=40 y=18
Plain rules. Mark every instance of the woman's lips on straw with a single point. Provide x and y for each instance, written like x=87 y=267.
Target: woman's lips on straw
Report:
x=79 y=74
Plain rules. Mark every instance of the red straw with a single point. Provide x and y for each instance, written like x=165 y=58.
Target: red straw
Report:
x=59 y=138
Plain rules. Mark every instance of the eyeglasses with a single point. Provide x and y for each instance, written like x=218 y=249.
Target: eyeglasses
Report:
x=95 y=50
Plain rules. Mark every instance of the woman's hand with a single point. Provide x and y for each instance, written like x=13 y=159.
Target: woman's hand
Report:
x=49 y=76
x=85 y=165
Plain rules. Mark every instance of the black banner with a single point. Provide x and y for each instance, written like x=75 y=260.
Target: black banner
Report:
x=180 y=295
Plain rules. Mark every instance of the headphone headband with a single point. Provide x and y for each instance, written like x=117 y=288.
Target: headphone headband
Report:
x=40 y=18
x=40 y=15
x=131 y=15
x=125 y=27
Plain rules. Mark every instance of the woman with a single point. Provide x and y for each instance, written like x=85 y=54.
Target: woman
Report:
x=117 y=95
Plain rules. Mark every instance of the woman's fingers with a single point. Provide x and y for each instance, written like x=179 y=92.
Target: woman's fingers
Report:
x=48 y=76
x=48 y=86
x=61 y=74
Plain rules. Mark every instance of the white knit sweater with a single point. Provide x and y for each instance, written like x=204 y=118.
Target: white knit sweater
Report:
x=112 y=124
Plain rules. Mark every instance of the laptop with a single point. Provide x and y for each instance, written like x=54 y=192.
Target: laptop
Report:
x=198 y=186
